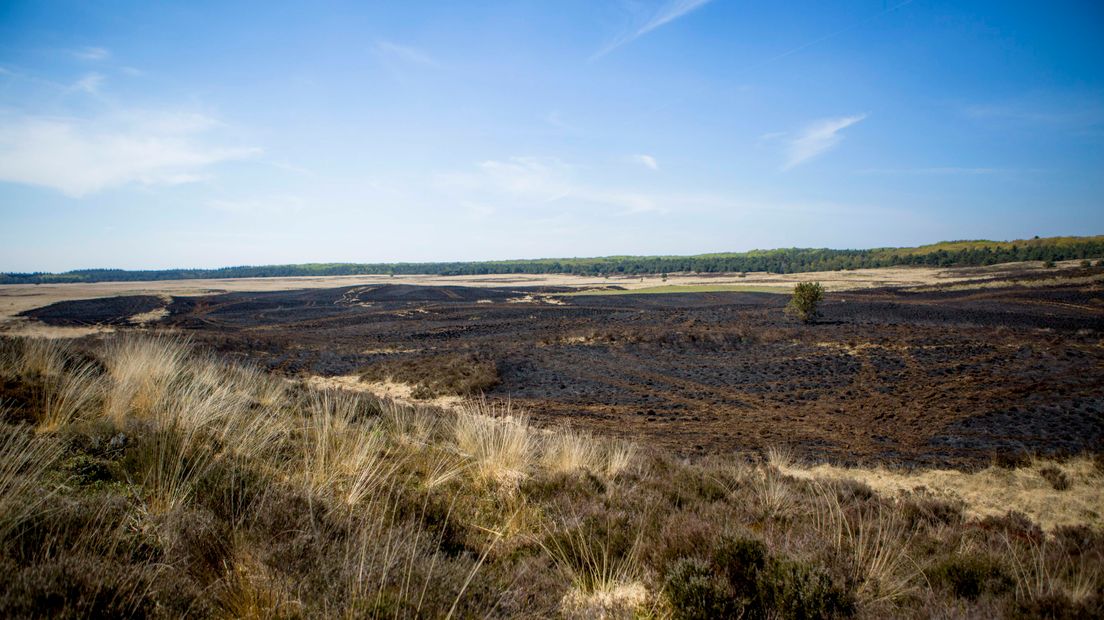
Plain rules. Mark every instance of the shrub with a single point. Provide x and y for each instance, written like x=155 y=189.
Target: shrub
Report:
x=743 y=581
x=803 y=304
x=932 y=511
x=970 y=576
x=1056 y=477
x=694 y=591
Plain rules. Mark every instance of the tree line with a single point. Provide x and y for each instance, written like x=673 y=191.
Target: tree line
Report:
x=788 y=260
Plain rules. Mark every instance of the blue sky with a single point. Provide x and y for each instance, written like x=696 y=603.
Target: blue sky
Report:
x=161 y=134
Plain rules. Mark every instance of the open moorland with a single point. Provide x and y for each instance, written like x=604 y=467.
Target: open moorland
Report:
x=680 y=449
x=945 y=372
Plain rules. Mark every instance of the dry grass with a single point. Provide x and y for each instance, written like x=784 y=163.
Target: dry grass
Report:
x=64 y=397
x=874 y=546
x=500 y=443
x=140 y=370
x=619 y=457
x=992 y=491
x=343 y=452
x=773 y=496
x=596 y=563
x=1042 y=570
x=41 y=357
x=250 y=590
x=220 y=491
x=568 y=450
x=24 y=460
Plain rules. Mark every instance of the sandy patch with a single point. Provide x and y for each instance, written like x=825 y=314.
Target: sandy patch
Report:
x=19 y=327
x=990 y=492
x=390 y=390
x=148 y=317
x=622 y=601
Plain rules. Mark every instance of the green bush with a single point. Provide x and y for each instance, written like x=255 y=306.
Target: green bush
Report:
x=806 y=297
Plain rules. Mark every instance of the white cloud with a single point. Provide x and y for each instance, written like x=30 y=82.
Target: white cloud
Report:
x=92 y=53
x=536 y=179
x=818 y=138
x=646 y=160
x=404 y=53
x=649 y=20
x=81 y=156
x=90 y=83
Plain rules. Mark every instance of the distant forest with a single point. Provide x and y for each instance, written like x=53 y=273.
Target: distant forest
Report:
x=792 y=260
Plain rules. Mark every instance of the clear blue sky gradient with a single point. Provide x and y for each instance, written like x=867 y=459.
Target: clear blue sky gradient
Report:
x=204 y=134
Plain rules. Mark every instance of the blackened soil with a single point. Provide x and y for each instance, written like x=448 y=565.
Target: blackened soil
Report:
x=950 y=378
x=101 y=311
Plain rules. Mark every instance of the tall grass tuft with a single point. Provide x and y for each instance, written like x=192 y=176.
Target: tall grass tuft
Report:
x=140 y=369
x=24 y=461
x=500 y=443
x=62 y=398
x=1042 y=569
x=567 y=450
x=42 y=357
x=619 y=456
x=873 y=544
x=601 y=561
x=343 y=451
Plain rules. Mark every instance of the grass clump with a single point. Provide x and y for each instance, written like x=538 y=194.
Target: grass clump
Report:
x=500 y=445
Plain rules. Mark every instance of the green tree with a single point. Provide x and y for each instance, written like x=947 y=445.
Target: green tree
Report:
x=806 y=298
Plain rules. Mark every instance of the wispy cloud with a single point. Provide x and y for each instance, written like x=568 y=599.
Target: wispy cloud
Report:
x=1066 y=111
x=646 y=160
x=647 y=19
x=818 y=138
x=89 y=83
x=92 y=53
x=937 y=170
x=533 y=182
x=555 y=119
x=404 y=53
x=81 y=156
x=268 y=205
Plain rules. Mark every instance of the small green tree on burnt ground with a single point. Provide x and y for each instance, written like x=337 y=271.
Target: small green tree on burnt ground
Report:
x=806 y=298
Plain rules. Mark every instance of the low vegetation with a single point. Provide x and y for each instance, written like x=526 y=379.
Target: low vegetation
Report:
x=447 y=374
x=140 y=477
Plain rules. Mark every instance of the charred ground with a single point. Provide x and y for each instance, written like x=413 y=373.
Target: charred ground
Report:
x=924 y=378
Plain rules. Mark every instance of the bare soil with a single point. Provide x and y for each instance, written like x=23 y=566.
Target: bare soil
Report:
x=887 y=375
